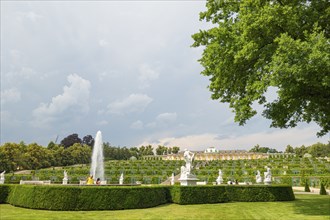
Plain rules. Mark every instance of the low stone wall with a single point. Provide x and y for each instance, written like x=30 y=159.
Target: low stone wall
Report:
x=35 y=182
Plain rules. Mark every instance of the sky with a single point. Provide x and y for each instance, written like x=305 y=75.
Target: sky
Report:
x=125 y=68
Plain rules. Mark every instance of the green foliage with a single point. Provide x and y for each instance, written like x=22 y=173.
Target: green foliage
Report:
x=70 y=140
x=257 y=148
x=198 y=194
x=123 y=197
x=259 y=193
x=260 y=45
x=87 y=197
x=322 y=190
x=307 y=187
x=4 y=192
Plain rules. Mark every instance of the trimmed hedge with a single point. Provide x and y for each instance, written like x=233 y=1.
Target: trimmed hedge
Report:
x=198 y=194
x=4 y=192
x=65 y=197
x=261 y=193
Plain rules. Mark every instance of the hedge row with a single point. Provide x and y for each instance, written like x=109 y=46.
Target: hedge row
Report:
x=59 y=197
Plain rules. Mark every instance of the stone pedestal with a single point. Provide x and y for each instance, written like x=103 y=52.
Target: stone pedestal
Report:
x=189 y=180
x=2 y=181
x=65 y=181
x=267 y=182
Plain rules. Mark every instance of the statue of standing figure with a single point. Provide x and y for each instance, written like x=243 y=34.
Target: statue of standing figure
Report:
x=172 y=179
x=121 y=179
x=258 y=177
x=2 y=177
x=268 y=176
x=65 y=179
x=219 y=180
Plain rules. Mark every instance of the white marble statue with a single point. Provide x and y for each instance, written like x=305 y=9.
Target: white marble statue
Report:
x=2 y=177
x=172 y=179
x=65 y=173
x=65 y=179
x=189 y=158
x=268 y=176
x=186 y=175
x=258 y=177
x=121 y=179
x=219 y=180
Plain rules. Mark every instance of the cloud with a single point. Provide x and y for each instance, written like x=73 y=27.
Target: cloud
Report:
x=166 y=118
x=103 y=43
x=103 y=122
x=31 y=15
x=277 y=139
x=10 y=95
x=132 y=103
x=137 y=125
x=163 y=119
x=74 y=97
x=146 y=75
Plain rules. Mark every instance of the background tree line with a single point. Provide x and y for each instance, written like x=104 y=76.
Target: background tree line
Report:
x=316 y=150
x=73 y=150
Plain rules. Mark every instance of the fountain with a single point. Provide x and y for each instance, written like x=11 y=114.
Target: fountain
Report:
x=97 y=167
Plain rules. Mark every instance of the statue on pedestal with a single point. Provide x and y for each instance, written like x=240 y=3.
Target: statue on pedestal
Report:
x=186 y=176
x=268 y=176
x=258 y=177
x=65 y=179
x=2 y=177
x=121 y=179
x=172 y=179
x=188 y=158
x=219 y=180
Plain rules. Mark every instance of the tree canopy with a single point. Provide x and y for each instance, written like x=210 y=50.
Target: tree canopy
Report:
x=255 y=45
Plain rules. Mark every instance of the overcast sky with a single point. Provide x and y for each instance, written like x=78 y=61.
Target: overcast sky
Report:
x=125 y=68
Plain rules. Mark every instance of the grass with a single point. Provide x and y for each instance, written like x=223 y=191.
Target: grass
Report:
x=304 y=207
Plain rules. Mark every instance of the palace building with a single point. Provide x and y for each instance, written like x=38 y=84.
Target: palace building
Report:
x=213 y=154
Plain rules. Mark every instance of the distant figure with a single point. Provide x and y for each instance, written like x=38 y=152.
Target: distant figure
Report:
x=90 y=180
x=98 y=181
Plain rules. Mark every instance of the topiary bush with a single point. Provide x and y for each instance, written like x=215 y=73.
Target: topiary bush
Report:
x=322 y=190
x=307 y=187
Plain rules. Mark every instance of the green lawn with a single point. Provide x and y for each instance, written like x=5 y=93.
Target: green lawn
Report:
x=304 y=207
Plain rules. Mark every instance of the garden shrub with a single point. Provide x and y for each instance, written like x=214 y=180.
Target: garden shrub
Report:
x=322 y=189
x=44 y=197
x=4 y=192
x=307 y=187
x=198 y=194
x=261 y=193
x=121 y=197
x=65 y=197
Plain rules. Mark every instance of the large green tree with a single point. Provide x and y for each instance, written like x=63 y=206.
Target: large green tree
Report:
x=255 y=45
